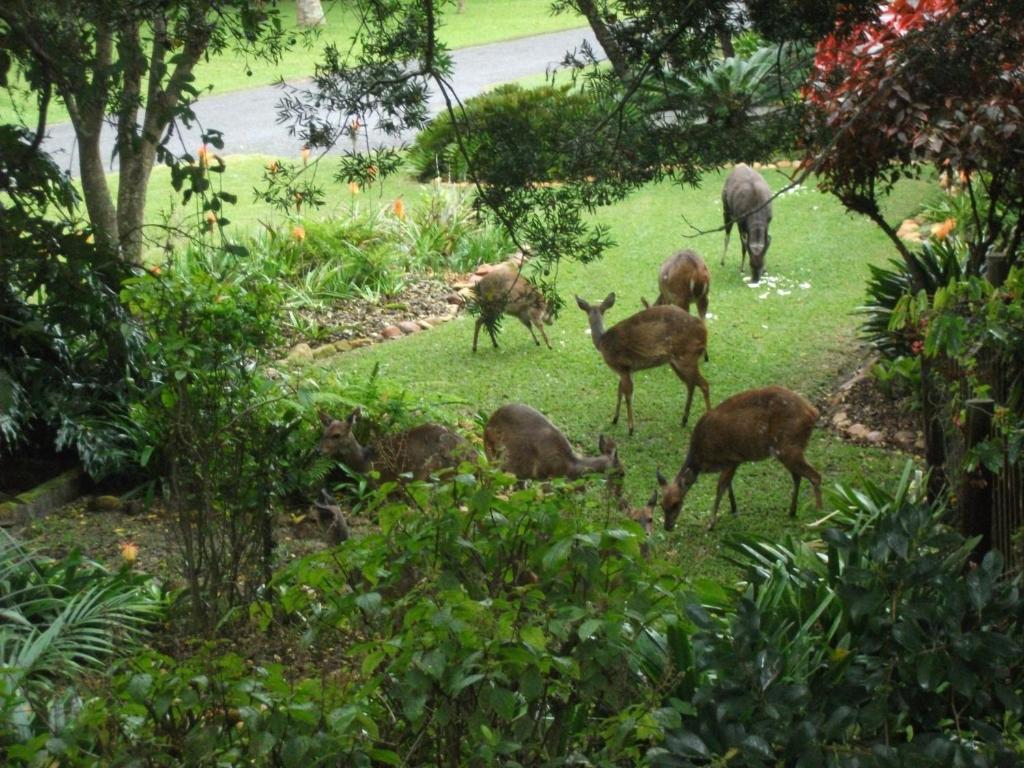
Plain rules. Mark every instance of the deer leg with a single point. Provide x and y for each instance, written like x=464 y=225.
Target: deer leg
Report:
x=626 y=389
x=689 y=374
x=476 y=332
x=732 y=498
x=494 y=337
x=724 y=483
x=618 y=400
x=728 y=231
x=540 y=327
x=798 y=467
x=529 y=326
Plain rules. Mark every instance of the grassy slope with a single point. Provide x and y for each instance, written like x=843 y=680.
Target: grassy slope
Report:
x=483 y=21
x=800 y=340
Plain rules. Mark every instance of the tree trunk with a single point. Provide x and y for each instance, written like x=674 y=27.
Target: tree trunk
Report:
x=605 y=37
x=309 y=13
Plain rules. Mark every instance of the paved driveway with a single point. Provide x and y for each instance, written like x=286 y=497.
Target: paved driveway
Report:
x=248 y=119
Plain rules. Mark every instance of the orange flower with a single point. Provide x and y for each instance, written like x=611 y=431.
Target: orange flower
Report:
x=273 y=166
x=129 y=552
x=941 y=231
x=155 y=270
x=399 y=208
x=305 y=155
x=203 y=155
x=353 y=187
x=211 y=220
x=371 y=172
x=299 y=232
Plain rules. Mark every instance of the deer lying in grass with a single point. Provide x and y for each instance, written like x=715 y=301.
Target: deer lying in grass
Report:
x=505 y=291
x=419 y=452
x=529 y=446
x=750 y=426
x=650 y=338
x=746 y=200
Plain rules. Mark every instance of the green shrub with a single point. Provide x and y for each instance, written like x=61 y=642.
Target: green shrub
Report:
x=520 y=135
x=939 y=263
x=877 y=646
x=496 y=625
x=62 y=619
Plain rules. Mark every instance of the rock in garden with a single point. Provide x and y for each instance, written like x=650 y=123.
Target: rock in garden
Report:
x=391 y=332
x=905 y=439
x=840 y=419
x=874 y=436
x=857 y=430
x=409 y=326
x=300 y=353
x=425 y=324
x=360 y=342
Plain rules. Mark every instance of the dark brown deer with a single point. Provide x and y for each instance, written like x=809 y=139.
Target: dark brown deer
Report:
x=419 y=452
x=505 y=290
x=525 y=443
x=331 y=515
x=746 y=200
x=650 y=338
x=750 y=426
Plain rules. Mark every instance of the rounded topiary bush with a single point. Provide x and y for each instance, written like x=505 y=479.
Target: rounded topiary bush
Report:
x=515 y=135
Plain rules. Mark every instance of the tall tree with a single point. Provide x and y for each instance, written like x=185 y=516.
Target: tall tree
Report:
x=131 y=63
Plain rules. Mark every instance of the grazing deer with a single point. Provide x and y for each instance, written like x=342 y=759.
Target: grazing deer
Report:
x=650 y=338
x=505 y=291
x=682 y=280
x=750 y=426
x=420 y=451
x=529 y=446
x=331 y=514
x=746 y=200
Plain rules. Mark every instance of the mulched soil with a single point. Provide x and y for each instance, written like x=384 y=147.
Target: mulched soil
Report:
x=359 y=318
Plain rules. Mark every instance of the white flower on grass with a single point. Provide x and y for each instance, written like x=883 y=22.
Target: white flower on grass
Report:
x=805 y=286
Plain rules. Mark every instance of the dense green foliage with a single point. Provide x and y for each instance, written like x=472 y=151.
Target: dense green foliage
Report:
x=62 y=620
x=511 y=136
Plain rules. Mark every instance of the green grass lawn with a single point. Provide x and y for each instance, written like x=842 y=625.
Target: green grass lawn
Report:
x=482 y=21
x=796 y=329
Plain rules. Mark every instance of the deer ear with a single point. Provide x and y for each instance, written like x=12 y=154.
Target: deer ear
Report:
x=582 y=304
x=325 y=418
x=609 y=301
x=662 y=482
x=654 y=498
x=353 y=417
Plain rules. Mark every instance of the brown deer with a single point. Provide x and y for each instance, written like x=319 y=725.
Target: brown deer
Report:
x=505 y=290
x=747 y=201
x=528 y=445
x=684 y=279
x=419 y=452
x=331 y=515
x=750 y=426
x=644 y=516
x=650 y=338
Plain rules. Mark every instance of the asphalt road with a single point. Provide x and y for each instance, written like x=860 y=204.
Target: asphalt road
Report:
x=248 y=119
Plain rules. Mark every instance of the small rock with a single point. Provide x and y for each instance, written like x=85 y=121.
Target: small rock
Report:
x=874 y=436
x=361 y=342
x=391 y=332
x=425 y=324
x=325 y=351
x=919 y=443
x=840 y=419
x=857 y=430
x=106 y=504
x=300 y=353
x=343 y=346
x=904 y=439
x=409 y=326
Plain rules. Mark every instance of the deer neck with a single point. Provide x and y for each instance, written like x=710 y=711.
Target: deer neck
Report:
x=596 y=328
x=584 y=465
